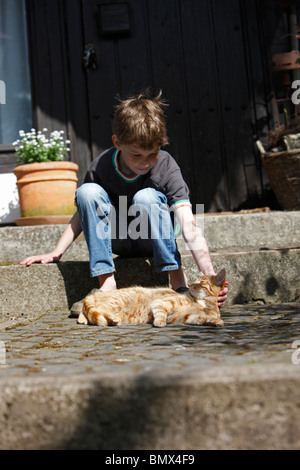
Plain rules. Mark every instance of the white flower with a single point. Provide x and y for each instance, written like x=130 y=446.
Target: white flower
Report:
x=55 y=134
x=35 y=143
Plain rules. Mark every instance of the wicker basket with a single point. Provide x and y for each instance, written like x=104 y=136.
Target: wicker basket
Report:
x=283 y=170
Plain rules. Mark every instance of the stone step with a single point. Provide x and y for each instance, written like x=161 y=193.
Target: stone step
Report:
x=131 y=387
x=242 y=407
x=222 y=232
x=264 y=276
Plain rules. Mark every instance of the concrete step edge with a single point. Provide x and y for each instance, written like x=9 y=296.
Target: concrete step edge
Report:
x=234 y=231
x=250 y=407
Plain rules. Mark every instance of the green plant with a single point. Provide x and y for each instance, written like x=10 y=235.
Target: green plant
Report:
x=35 y=147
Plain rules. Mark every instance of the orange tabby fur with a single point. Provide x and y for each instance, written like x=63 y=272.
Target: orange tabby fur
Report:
x=159 y=306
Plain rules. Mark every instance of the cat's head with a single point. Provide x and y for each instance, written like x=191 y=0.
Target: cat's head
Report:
x=208 y=285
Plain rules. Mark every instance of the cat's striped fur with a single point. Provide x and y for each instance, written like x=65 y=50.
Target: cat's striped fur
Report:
x=159 y=306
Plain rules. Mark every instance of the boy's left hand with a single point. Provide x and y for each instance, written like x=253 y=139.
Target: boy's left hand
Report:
x=223 y=295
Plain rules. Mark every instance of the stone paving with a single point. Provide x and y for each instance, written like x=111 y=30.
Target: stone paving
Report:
x=56 y=345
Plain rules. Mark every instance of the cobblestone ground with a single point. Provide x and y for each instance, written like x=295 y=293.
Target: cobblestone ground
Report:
x=55 y=344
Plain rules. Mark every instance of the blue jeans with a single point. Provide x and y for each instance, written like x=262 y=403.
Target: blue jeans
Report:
x=147 y=232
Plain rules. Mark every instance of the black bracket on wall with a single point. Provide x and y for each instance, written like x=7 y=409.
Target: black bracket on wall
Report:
x=114 y=19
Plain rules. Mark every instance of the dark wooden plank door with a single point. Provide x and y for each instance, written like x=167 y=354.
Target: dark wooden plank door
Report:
x=205 y=55
x=196 y=52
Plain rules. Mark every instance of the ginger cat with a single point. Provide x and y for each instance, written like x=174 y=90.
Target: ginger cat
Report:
x=159 y=306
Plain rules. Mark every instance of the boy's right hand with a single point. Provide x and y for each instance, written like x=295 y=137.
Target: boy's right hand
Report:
x=43 y=259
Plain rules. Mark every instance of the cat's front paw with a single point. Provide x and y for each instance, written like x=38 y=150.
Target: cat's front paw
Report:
x=82 y=320
x=112 y=322
x=214 y=323
x=159 y=323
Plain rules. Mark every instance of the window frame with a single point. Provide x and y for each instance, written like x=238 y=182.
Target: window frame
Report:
x=8 y=158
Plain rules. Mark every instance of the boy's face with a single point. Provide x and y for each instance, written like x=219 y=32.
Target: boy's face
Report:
x=134 y=160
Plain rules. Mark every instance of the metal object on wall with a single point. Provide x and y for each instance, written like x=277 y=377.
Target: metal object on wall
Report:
x=90 y=57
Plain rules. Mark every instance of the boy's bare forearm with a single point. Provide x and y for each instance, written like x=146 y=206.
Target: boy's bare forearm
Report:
x=200 y=252
x=203 y=260
x=195 y=240
x=71 y=232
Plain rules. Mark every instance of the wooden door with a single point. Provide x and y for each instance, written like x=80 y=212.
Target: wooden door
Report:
x=196 y=52
x=206 y=57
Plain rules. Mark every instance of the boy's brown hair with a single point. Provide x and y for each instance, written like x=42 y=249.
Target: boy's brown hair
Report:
x=141 y=121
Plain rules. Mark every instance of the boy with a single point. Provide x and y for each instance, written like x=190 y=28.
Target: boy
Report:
x=122 y=206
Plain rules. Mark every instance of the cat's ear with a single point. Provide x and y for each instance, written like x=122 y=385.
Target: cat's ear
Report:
x=220 y=277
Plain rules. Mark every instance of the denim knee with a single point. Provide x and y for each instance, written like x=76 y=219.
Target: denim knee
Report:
x=149 y=196
x=88 y=193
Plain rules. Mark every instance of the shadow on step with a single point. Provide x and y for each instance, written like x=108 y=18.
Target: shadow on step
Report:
x=129 y=271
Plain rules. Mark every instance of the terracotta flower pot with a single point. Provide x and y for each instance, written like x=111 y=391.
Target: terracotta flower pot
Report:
x=46 y=192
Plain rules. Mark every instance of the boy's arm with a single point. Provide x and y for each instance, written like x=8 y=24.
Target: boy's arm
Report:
x=71 y=232
x=194 y=239
x=196 y=242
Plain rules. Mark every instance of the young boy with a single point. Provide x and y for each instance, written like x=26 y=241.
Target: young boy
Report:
x=124 y=204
